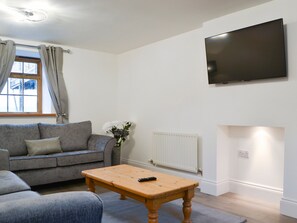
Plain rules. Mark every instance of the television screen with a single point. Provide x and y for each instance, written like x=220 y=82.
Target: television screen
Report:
x=252 y=53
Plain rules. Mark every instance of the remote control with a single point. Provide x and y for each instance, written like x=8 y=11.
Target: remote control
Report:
x=146 y=179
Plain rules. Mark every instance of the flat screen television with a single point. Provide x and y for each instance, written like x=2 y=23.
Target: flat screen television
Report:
x=252 y=53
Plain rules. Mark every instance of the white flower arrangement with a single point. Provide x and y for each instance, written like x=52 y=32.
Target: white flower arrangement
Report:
x=119 y=129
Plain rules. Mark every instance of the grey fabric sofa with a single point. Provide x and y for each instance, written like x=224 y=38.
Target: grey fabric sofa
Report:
x=81 y=150
x=19 y=204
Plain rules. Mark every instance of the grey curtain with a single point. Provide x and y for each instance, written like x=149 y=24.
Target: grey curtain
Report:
x=7 y=57
x=52 y=61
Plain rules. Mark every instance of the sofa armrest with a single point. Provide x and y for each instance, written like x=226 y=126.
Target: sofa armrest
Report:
x=67 y=207
x=4 y=159
x=102 y=143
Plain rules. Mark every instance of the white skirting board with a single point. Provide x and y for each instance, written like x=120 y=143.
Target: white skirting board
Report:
x=288 y=207
x=218 y=188
x=214 y=188
x=261 y=192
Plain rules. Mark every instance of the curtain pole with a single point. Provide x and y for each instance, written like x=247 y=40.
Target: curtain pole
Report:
x=32 y=46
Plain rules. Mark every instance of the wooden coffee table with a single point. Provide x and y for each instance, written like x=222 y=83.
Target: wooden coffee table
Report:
x=123 y=179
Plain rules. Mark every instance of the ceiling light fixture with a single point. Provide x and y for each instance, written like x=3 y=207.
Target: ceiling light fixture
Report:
x=32 y=15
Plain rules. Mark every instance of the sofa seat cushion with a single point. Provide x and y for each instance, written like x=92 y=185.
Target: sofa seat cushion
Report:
x=12 y=137
x=32 y=162
x=78 y=157
x=73 y=136
x=18 y=196
x=11 y=183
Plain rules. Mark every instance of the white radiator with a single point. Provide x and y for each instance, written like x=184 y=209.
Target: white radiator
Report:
x=176 y=150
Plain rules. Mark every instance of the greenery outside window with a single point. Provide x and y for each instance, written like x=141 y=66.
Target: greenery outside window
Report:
x=23 y=90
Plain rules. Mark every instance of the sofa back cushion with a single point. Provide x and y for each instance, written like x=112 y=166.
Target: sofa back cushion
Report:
x=12 y=137
x=73 y=136
x=43 y=146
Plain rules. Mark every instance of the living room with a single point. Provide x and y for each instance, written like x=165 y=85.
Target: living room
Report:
x=164 y=86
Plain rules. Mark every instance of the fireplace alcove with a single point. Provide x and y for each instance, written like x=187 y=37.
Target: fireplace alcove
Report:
x=252 y=160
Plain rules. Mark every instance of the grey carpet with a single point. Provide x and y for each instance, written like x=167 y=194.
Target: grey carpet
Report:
x=131 y=211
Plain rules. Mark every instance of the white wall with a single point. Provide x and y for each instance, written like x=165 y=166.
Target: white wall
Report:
x=158 y=90
x=91 y=84
x=90 y=79
x=164 y=86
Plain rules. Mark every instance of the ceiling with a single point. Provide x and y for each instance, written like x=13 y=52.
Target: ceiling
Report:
x=113 y=26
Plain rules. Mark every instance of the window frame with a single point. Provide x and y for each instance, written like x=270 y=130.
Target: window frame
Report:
x=38 y=78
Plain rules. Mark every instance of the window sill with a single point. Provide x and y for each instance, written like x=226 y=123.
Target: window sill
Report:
x=26 y=115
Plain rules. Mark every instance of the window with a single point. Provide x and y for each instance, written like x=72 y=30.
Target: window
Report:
x=23 y=90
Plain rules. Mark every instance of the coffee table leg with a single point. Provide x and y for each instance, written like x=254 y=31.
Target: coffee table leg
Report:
x=122 y=197
x=152 y=207
x=187 y=205
x=90 y=184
